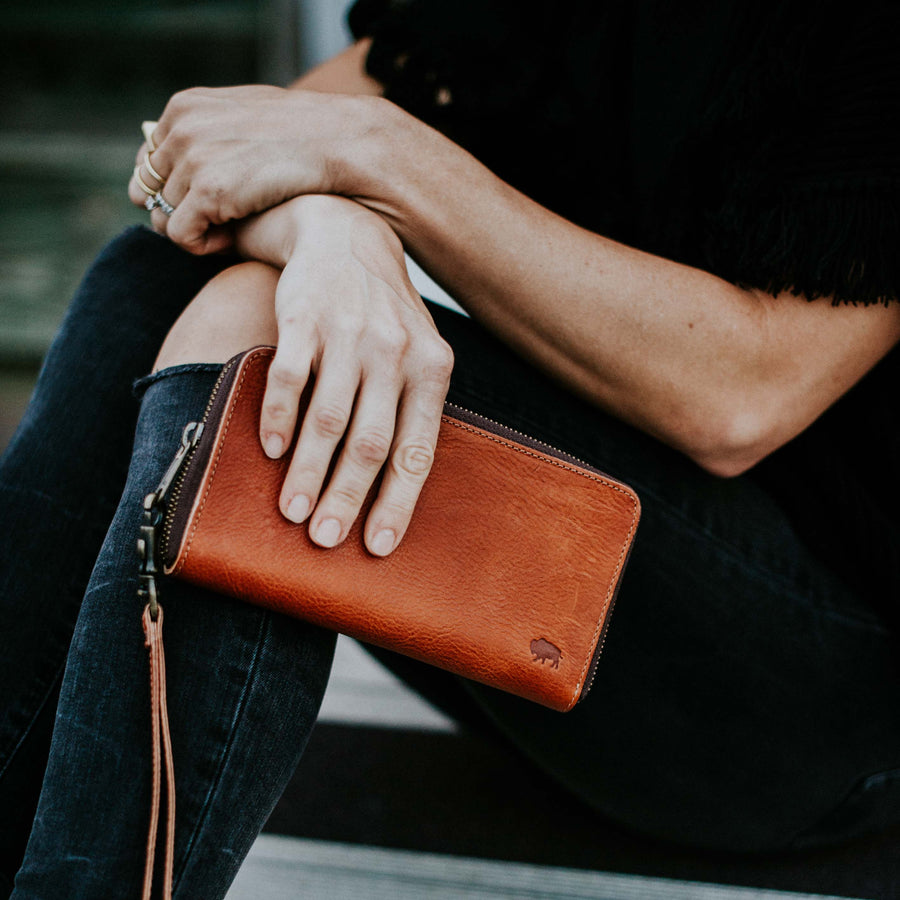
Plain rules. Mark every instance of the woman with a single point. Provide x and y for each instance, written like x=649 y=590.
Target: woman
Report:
x=716 y=274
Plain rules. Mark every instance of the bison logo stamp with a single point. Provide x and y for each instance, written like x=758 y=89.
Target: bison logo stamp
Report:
x=544 y=650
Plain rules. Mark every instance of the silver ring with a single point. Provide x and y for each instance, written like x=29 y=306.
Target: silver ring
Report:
x=157 y=201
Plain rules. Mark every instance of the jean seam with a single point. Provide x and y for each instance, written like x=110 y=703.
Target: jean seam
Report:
x=859 y=784
x=27 y=731
x=8 y=750
x=265 y=624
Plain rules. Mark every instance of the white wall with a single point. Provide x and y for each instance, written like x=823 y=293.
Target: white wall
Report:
x=323 y=29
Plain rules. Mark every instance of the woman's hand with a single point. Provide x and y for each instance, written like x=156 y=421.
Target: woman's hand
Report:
x=227 y=153
x=348 y=315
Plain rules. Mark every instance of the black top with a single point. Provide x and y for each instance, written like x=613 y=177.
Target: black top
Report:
x=741 y=138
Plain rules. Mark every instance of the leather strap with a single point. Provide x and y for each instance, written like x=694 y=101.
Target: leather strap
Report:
x=162 y=755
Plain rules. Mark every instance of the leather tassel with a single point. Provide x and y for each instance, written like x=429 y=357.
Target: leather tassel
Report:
x=162 y=756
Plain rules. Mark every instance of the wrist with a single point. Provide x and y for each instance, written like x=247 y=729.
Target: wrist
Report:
x=275 y=235
x=318 y=216
x=269 y=236
x=369 y=165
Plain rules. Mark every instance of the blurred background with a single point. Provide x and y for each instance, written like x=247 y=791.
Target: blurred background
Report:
x=79 y=78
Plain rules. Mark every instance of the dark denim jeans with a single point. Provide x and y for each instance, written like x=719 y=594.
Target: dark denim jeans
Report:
x=746 y=698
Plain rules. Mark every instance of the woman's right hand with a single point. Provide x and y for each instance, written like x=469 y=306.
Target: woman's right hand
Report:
x=348 y=317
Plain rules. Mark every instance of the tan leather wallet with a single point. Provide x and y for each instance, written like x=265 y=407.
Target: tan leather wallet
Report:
x=506 y=576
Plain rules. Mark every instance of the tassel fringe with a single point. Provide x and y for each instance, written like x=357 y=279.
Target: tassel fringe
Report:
x=838 y=242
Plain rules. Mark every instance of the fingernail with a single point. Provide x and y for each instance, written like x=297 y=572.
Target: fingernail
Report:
x=383 y=542
x=273 y=446
x=328 y=532
x=298 y=508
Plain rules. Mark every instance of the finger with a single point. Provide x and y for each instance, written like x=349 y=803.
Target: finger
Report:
x=208 y=201
x=135 y=194
x=165 y=200
x=155 y=175
x=217 y=239
x=190 y=228
x=362 y=457
x=149 y=170
x=153 y=203
x=159 y=220
x=410 y=462
x=138 y=157
x=161 y=210
x=148 y=129
x=412 y=455
x=323 y=427
x=288 y=375
x=141 y=184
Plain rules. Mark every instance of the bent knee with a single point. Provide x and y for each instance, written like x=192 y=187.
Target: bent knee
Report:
x=233 y=312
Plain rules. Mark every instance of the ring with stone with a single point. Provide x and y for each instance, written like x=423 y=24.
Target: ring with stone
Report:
x=157 y=201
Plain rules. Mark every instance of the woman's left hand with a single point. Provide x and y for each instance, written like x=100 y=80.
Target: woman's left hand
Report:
x=226 y=153
x=351 y=325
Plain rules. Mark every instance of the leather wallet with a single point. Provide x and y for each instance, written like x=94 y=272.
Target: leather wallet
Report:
x=506 y=575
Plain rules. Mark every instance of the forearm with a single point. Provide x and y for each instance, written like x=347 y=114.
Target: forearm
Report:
x=724 y=374
x=678 y=352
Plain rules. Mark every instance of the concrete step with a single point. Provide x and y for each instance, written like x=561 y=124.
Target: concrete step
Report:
x=384 y=769
x=362 y=692
x=285 y=869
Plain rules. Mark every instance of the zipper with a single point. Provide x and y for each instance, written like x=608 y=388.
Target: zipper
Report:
x=190 y=437
x=601 y=641
x=525 y=440
x=518 y=437
x=152 y=517
x=188 y=455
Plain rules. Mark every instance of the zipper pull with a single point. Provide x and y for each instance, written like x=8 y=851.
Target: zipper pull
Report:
x=189 y=439
x=152 y=517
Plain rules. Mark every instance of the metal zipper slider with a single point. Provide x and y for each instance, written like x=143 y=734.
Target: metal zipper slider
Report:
x=152 y=517
x=189 y=439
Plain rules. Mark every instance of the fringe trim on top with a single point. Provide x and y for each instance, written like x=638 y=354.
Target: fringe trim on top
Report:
x=839 y=241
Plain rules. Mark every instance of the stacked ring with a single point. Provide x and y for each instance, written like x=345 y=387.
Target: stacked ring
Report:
x=150 y=192
x=155 y=199
x=146 y=162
